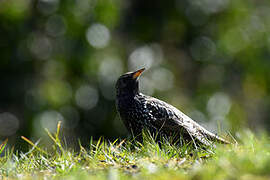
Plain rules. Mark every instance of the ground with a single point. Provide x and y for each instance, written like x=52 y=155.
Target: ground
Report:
x=128 y=159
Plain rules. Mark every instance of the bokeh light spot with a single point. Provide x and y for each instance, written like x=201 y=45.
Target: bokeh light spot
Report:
x=203 y=49
x=9 y=124
x=40 y=46
x=98 y=36
x=86 y=97
x=145 y=56
x=109 y=70
x=162 y=79
x=47 y=6
x=210 y=6
x=49 y=120
x=146 y=85
x=219 y=104
x=56 y=92
x=56 y=25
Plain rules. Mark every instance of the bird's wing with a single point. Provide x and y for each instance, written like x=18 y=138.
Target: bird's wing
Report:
x=170 y=118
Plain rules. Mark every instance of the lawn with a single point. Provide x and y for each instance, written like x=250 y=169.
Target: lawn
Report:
x=128 y=159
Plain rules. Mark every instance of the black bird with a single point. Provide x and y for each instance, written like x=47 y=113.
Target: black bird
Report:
x=139 y=112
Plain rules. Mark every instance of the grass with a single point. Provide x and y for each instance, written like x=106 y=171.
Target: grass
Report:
x=128 y=159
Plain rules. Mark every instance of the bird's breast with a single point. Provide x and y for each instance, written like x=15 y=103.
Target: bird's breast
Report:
x=130 y=108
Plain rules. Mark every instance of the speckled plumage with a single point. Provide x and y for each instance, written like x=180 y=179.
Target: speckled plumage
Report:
x=139 y=111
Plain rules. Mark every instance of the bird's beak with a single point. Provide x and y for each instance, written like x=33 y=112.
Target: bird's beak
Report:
x=136 y=74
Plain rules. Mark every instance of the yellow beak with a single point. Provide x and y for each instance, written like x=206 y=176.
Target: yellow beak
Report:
x=136 y=74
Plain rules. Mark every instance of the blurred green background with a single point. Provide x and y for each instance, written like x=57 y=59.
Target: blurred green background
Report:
x=59 y=60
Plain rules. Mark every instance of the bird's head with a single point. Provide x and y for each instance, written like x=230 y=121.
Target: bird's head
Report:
x=128 y=84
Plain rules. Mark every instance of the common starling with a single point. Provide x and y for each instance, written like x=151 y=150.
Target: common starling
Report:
x=139 y=112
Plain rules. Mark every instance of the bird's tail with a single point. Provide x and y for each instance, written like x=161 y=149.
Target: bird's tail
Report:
x=216 y=138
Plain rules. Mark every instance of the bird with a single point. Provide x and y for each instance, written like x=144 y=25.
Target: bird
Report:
x=139 y=112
